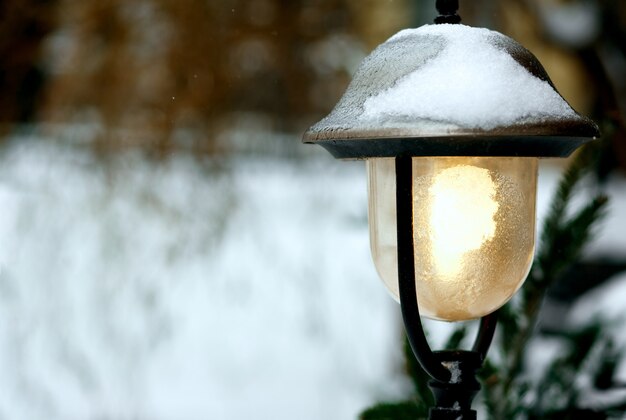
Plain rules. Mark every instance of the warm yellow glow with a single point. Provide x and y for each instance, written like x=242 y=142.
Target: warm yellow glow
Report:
x=462 y=213
x=473 y=230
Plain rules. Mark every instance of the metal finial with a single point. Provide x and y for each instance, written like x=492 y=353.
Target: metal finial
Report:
x=447 y=11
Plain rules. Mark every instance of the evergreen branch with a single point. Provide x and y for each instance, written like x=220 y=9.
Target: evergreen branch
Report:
x=579 y=167
x=554 y=223
x=609 y=359
x=557 y=254
x=562 y=242
x=566 y=243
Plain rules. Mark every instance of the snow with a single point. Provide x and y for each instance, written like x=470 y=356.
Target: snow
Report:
x=455 y=371
x=471 y=83
x=605 y=303
x=190 y=290
x=183 y=290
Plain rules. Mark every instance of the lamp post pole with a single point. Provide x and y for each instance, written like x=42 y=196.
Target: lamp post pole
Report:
x=453 y=372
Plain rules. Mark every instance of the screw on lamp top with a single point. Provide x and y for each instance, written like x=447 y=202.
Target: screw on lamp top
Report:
x=447 y=11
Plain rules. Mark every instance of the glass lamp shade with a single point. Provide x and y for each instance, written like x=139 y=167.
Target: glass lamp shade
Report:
x=473 y=230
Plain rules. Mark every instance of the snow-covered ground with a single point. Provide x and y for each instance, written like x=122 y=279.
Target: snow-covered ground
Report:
x=185 y=290
x=135 y=290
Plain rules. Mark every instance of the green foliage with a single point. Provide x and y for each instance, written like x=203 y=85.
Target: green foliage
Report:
x=588 y=359
x=589 y=356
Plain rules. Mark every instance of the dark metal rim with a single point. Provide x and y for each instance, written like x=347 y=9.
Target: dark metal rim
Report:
x=509 y=146
x=577 y=127
x=552 y=139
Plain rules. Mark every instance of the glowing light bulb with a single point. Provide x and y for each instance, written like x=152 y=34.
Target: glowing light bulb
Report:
x=473 y=225
x=462 y=211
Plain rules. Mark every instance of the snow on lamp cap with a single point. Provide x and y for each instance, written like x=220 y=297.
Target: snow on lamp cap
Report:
x=451 y=90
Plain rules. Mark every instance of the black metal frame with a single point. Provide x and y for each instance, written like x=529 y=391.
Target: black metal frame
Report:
x=453 y=392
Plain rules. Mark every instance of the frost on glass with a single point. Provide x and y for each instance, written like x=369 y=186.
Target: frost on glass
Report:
x=474 y=225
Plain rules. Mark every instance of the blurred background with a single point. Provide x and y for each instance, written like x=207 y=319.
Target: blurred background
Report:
x=168 y=247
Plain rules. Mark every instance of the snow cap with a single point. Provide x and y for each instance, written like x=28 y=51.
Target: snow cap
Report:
x=451 y=90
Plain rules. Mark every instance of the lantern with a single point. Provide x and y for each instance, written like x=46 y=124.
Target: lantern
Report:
x=451 y=121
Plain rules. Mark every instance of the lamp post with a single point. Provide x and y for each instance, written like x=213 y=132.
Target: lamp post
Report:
x=451 y=121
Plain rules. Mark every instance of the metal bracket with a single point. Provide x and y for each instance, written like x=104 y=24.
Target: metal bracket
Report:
x=453 y=392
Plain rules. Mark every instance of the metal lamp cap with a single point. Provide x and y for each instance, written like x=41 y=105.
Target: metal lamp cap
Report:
x=451 y=90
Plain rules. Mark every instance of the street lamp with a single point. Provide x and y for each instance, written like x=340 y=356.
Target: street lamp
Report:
x=451 y=121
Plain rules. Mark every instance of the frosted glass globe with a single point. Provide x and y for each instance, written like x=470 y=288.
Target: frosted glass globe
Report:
x=473 y=230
